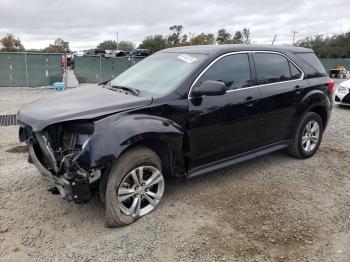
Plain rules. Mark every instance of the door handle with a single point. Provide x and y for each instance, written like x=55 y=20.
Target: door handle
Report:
x=298 y=87
x=249 y=98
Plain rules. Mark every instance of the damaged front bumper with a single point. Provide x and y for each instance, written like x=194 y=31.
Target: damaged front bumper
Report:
x=58 y=161
x=342 y=96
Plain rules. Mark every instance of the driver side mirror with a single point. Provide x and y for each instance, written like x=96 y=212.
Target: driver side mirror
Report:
x=209 y=88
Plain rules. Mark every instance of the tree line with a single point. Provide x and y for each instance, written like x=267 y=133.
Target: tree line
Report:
x=336 y=46
x=177 y=37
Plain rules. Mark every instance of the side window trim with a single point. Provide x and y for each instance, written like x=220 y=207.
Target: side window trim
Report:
x=290 y=69
x=252 y=69
x=288 y=59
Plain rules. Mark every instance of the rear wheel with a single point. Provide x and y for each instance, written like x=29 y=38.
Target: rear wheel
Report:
x=135 y=187
x=308 y=136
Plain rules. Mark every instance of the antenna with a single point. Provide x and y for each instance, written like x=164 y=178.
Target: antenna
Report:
x=274 y=39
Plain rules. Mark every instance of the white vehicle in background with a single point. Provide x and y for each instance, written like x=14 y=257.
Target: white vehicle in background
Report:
x=79 y=53
x=342 y=94
x=109 y=53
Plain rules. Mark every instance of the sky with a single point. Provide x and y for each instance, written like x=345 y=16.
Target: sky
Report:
x=85 y=23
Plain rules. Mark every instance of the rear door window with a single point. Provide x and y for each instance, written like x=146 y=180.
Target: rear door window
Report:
x=233 y=70
x=271 y=68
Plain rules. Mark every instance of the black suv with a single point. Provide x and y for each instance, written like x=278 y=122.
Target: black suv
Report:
x=183 y=112
x=139 y=52
x=97 y=51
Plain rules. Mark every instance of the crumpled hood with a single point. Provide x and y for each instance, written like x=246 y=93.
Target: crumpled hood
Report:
x=79 y=103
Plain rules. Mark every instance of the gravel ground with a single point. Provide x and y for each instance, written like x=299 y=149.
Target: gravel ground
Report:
x=274 y=208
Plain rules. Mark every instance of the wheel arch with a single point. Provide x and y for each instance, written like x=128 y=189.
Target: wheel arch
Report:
x=315 y=101
x=322 y=112
x=116 y=134
x=169 y=155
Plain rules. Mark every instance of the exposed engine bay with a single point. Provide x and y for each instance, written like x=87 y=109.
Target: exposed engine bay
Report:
x=55 y=152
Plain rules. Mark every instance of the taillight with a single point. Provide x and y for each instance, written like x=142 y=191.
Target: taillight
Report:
x=330 y=85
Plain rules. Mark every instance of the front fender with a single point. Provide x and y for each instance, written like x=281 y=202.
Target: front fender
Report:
x=115 y=133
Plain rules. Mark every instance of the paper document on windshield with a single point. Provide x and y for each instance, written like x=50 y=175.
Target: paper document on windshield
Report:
x=187 y=58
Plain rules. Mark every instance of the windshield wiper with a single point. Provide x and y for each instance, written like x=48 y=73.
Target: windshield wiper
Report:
x=131 y=90
x=105 y=82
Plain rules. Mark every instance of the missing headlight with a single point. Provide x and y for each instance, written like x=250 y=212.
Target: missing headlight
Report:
x=67 y=140
x=342 y=90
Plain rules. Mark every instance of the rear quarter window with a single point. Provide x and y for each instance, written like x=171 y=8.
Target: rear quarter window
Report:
x=315 y=68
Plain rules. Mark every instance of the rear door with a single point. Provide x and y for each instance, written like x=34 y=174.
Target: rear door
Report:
x=282 y=88
x=224 y=126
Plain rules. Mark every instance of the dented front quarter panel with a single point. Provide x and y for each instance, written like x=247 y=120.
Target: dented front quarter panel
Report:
x=114 y=134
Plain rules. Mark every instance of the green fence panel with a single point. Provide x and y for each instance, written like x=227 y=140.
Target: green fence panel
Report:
x=136 y=60
x=54 y=67
x=94 y=69
x=329 y=63
x=29 y=69
x=12 y=69
x=4 y=71
x=44 y=69
x=87 y=69
x=121 y=64
x=107 y=66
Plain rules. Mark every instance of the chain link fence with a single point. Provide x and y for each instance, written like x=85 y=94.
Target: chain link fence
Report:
x=29 y=69
x=96 y=69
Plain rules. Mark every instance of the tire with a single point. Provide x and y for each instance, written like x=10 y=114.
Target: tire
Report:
x=130 y=193
x=299 y=146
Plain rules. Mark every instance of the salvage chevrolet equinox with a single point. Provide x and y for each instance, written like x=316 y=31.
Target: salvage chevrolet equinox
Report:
x=181 y=112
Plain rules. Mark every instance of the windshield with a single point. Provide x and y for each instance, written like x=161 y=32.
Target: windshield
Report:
x=159 y=73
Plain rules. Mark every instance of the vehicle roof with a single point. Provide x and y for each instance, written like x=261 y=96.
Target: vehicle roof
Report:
x=215 y=49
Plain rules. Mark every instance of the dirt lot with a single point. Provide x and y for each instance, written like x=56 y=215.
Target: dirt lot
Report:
x=274 y=208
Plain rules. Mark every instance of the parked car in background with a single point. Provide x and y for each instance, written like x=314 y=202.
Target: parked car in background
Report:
x=342 y=94
x=181 y=112
x=139 y=52
x=109 y=53
x=338 y=72
x=79 y=53
x=96 y=51
x=119 y=53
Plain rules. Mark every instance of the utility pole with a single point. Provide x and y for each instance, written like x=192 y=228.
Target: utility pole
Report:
x=294 y=32
x=117 y=41
x=191 y=35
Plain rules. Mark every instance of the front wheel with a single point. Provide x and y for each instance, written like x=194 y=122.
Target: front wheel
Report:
x=135 y=187
x=308 y=136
